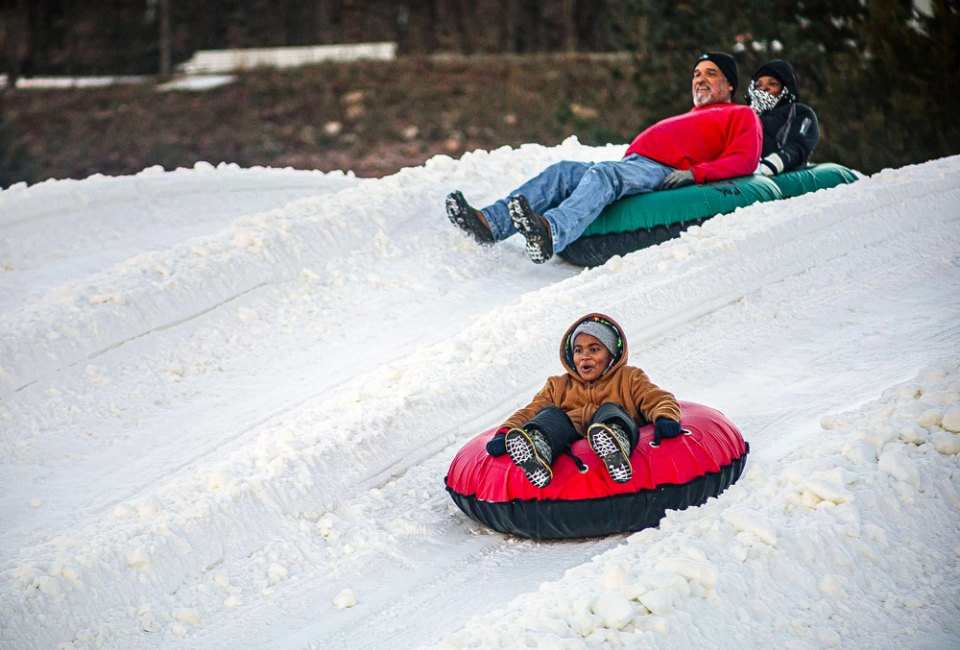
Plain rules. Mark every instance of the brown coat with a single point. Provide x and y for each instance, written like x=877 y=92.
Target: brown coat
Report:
x=625 y=385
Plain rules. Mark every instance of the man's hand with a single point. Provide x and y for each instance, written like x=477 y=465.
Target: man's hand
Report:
x=677 y=178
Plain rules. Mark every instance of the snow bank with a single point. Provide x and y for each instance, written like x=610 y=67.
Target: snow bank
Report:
x=852 y=540
x=60 y=233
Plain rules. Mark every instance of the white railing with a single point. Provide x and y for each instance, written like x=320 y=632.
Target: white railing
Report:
x=213 y=61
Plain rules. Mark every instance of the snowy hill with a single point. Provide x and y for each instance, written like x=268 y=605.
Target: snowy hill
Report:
x=228 y=399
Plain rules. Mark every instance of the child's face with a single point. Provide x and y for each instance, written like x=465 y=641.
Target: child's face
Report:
x=590 y=357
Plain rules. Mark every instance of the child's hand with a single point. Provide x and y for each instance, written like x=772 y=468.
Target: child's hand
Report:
x=665 y=428
x=496 y=446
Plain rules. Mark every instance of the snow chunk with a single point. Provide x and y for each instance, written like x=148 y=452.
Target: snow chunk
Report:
x=138 y=559
x=345 y=599
x=146 y=620
x=934 y=374
x=946 y=443
x=913 y=435
x=277 y=573
x=668 y=581
x=189 y=616
x=222 y=578
x=582 y=620
x=218 y=480
x=860 y=452
x=828 y=422
x=615 y=610
x=951 y=420
x=659 y=601
x=829 y=638
x=898 y=465
x=930 y=418
x=233 y=602
x=615 y=576
x=818 y=490
x=908 y=391
x=701 y=572
x=49 y=585
x=833 y=585
x=751 y=523
x=149 y=507
x=876 y=438
x=681 y=252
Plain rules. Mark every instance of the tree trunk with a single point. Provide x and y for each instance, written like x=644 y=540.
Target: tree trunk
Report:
x=321 y=13
x=164 y=39
x=15 y=41
x=508 y=25
x=569 y=25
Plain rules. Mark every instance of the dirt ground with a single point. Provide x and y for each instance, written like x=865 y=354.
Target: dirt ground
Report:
x=373 y=118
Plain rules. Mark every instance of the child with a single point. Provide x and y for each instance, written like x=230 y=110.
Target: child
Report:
x=600 y=397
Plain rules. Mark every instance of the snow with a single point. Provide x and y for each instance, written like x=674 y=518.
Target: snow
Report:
x=228 y=399
x=58 y=83
x=198 y=82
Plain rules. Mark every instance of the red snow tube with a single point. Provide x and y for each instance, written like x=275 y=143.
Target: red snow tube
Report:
x=681 y=472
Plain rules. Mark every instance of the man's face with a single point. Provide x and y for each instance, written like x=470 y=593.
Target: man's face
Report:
x=710 y=86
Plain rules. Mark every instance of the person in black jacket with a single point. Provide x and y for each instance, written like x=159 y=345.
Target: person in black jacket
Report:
x=790 y=129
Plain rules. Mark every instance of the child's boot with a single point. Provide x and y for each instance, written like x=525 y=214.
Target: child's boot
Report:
x=530 y=450
x=612 y=444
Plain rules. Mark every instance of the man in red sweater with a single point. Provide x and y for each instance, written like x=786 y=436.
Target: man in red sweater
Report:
x=715 y=140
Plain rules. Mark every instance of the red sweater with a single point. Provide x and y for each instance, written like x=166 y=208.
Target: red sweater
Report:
x=717 y=141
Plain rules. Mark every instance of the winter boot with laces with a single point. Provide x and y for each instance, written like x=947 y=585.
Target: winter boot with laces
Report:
x=530 y=450
x=612 y=444
x=468 y=218
x=533 y=227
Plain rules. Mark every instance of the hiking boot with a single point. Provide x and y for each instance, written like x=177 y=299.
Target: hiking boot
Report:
x=533 y=227
x=612 y=444
x=467 y=218
x=530 y=450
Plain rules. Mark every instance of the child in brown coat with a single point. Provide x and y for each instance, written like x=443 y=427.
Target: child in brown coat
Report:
x=599 y=397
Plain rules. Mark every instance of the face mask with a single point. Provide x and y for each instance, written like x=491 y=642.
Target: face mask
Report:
x=762 y=101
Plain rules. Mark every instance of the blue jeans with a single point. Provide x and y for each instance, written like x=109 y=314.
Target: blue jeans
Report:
x=570 y=195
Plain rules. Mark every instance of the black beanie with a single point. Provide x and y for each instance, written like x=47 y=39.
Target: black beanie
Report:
x=726 y=63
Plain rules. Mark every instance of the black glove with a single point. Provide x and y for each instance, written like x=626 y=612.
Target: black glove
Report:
x=676 y=178
x=665 y=428
x=496 y=446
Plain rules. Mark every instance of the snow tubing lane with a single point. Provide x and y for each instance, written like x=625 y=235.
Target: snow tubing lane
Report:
x=681 y=472
x=649 y=219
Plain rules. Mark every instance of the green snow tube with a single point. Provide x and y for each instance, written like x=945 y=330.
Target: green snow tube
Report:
x=813 y=178
x=649 y=219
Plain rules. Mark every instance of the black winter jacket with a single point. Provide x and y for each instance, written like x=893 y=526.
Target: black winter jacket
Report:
x=791 y=133
x=790 y=129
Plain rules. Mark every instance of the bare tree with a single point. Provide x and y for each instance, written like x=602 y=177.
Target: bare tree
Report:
x=508 y=25
x=569 y=25
x=164 y=38
x=14 y=39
